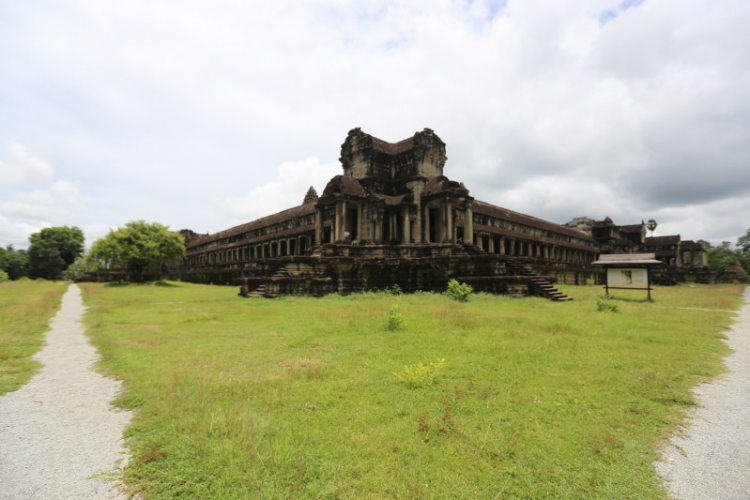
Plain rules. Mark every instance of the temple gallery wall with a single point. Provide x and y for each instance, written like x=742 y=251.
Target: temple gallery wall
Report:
x=393 y=217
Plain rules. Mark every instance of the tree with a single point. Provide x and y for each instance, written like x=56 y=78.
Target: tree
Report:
x=723 y=259
x=140 y=247
x=80 y=267
x=53 y=249
x=651 y=225
x=706 y=245
x=14 y=262
x=743 y=242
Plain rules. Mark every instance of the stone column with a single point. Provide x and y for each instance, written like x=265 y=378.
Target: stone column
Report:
x=501 y=242
x=449 y=221
x=426 y=213
x=337 y=230
x=405 y=229
x=318 y=225
x=468 y=223
x=377 y=234
x=359 y=222
x=343 y=219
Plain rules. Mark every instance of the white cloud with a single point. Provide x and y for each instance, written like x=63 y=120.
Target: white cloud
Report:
x=16 y=233
x=24 y=166
x=67 y=191
x=93 y=232
x=292 y=182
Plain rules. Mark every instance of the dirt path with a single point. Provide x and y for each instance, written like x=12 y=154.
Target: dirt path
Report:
x=710 y=458
x=57 y=432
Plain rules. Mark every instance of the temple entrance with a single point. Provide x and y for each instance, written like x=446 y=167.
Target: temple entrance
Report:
x=434 y=218
x=393 y=227
x=352 y=222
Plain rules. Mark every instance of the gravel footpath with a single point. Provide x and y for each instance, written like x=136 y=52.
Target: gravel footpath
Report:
x=710 y=458
x=58 y=433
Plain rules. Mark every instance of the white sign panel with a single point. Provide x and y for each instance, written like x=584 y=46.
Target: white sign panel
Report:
x=627 y=277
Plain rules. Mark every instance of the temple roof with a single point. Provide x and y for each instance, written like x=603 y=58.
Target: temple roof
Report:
x=655 y=241
x=343 y=184
x=691 y=246
x=438 y=184
x=481 y=207
x=392 y=148
x=284 y=215
x=632 y=228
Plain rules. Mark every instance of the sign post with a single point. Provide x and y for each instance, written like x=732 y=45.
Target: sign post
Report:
x=628 y=271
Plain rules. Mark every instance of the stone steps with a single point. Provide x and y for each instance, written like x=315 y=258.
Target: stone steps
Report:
x=260 y=291
x=542 y=285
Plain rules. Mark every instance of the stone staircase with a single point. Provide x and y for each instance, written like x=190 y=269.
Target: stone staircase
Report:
x=538 y=283
x=260 y=291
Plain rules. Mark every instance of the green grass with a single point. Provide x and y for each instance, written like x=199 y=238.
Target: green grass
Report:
x=301 y=397
x=25 y=310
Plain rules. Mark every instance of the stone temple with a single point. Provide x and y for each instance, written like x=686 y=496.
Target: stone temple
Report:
x=393 y=218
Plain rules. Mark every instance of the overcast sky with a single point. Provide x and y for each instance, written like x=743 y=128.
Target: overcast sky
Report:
x=204 y=115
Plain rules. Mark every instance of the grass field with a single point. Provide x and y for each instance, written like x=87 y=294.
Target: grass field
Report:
x=327 y=398
x=25 y=310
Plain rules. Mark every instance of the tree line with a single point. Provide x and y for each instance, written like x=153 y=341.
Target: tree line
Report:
x=722 y=258
x=139 y=247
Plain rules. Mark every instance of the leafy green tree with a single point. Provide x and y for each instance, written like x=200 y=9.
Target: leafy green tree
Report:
x=705 y=244
x=722 y=258
x=743 y=242
x=140 y=247
x=53 y=249
x=14 y=262
x=79 y=268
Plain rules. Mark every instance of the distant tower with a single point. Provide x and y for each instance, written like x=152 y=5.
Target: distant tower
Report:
x=311 y=196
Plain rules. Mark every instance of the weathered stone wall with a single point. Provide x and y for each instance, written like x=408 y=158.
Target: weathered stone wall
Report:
x=347 y=269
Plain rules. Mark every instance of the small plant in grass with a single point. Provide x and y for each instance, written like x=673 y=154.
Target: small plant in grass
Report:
x=395 y=320
x=3 y=276
x=201 y=317
x=606 y=304
x=590 y=282
x=421 y=374
x=458 y=291
x=395 y=289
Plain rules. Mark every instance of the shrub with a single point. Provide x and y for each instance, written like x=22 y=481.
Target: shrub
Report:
x=458 y=291
x=421 y=374
x=395 y=320
x=590 y=282
x=3 y=276
x=606 y=304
